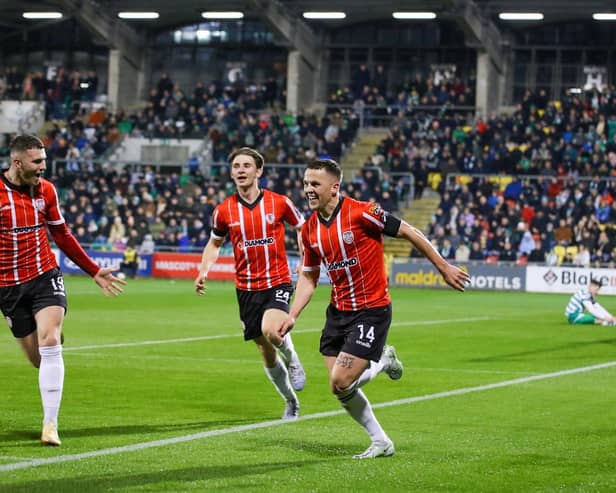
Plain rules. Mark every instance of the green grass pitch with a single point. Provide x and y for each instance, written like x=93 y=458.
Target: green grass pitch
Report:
x=161 y=366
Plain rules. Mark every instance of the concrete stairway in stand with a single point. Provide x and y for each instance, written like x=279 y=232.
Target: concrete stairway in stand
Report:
x=420 y=211
x=363 y=148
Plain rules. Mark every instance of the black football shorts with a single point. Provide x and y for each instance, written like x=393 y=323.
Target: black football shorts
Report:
x=254 y=303
x=20 y=303
x=361 y=333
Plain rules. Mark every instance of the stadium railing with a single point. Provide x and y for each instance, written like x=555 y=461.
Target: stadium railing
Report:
x=382 y=116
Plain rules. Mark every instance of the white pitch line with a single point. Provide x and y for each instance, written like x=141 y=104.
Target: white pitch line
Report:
x=238 y=335
x=269 y=424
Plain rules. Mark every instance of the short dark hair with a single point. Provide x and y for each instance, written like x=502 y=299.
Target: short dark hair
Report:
x=596 y=281
x=329 y=165
x=248 y=151
x=22 y=143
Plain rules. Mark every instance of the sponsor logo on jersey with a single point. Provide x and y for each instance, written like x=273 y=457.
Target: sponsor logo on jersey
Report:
x=348 y=237
x=258 y=242
x=24 y=229
x=342 y=264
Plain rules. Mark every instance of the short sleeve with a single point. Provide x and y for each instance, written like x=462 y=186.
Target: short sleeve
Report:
x=378 y=219
x=292 y=215
x=312 y=257
x=220 y=225
x=53 y=215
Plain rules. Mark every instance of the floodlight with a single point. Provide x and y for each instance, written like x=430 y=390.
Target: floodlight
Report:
x=138 y=16
x=604 y=16
x=42 y=15
x=228 y=14
x=520 y=16
x=324 y=15
x=414 y=15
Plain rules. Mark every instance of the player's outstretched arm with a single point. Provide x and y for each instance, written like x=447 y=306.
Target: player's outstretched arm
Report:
x=598 y=311
x=104 y=277
x=110 y=284
x=454 y=276
x=300 y=245
x=209 y=257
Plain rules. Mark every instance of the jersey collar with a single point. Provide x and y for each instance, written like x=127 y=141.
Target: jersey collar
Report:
x=250 y=205
x=329 y=221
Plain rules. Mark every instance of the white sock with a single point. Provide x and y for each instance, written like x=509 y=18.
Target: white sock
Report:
x=357 y=405
x=51 y=381
x=370 y=373
x=280 y=378
x=287 y=348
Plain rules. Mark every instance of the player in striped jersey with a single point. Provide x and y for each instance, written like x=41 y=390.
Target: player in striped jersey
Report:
x=584 y=300
x=254 y=220
x=32 y=296
x=345 y=236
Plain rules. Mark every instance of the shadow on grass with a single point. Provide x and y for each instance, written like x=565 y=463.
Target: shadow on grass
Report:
x=232 y=477
x=318 y=447
x=547 y=350
x=101 y=431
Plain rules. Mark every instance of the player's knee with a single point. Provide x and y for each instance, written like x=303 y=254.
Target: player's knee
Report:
x=341 y=385
x=346 y=393
x=51 y=338
x=271 y=336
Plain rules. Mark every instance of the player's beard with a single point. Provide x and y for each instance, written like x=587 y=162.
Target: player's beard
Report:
x=28 y=178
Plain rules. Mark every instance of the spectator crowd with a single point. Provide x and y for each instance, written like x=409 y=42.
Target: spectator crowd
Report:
x=533 y=186
x=552 y=198
x=526 y=220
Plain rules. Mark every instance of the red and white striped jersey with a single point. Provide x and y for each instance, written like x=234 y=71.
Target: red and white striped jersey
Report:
x=257 y=233
x=25 y=252
x=350 y=246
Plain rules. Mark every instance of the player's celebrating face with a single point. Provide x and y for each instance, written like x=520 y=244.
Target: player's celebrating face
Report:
x=321 y=189
x=29 y=166
x=244 y=171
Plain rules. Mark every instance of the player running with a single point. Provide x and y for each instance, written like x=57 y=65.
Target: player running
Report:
x=254 y=220
x=345 y=236
x=32 y=295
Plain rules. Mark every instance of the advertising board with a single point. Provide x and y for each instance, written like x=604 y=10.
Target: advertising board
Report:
x=483 y=277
